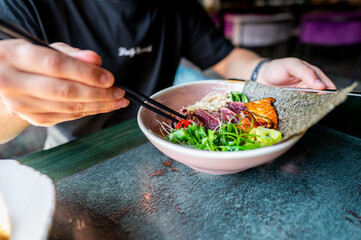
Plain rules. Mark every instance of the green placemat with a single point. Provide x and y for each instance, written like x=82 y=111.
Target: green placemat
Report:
x=77 y=155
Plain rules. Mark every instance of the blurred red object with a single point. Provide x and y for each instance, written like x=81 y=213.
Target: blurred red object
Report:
x=331 y=28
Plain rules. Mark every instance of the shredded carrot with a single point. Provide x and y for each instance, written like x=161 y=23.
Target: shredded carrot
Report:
x=183 y=124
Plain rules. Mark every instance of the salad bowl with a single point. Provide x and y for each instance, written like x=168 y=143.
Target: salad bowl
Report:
x=211 y=162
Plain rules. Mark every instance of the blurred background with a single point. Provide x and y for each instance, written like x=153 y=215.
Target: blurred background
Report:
x=326 y=33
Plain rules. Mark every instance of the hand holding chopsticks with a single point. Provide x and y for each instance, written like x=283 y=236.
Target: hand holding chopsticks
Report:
x=8 y=30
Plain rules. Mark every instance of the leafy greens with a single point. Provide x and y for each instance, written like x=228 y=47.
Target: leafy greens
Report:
x=229 y=137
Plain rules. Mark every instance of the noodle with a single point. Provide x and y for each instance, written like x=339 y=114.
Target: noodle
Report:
x=212 y=102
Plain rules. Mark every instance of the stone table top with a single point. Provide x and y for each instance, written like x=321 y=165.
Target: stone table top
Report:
x=116 y=185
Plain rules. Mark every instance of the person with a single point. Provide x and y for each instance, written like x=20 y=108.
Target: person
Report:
x=138 y=43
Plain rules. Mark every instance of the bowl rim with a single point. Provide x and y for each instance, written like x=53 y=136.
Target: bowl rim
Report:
x=36 y=175
x=211 y=154
x=226 y=81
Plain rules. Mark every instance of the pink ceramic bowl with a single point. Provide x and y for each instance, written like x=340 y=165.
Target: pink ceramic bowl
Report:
x=205 y=161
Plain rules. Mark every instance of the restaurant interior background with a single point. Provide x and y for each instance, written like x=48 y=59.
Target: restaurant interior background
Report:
x=326 y=33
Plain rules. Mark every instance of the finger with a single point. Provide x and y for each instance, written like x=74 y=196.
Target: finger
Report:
x=35 y=59
x=307 y=75
x=52 y=88
x=31 y=104
x=82 y=55
x=322 y=76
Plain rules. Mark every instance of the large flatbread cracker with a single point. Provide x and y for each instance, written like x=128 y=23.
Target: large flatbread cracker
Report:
x=297 y=111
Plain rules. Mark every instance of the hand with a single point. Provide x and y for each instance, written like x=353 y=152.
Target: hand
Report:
x=46 y=87
x=293 y=72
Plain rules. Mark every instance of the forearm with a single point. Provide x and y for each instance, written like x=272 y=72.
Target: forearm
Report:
x=240 y=63
x=11 y=125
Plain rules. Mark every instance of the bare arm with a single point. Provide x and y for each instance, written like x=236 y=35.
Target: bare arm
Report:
x=11 y=125
x=240 y=63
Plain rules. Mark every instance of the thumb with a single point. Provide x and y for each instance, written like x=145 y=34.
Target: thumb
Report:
x=82 y=55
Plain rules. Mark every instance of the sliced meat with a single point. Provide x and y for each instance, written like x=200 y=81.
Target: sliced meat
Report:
x=216 y=115
x=237 y=107
x=228 y=114
x=251 y=114
x=209 y=121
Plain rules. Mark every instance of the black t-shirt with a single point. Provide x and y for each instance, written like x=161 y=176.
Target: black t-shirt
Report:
x=140 y=42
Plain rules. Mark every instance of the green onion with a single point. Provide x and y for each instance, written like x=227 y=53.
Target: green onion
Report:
x=228 y=137
x=239 y=97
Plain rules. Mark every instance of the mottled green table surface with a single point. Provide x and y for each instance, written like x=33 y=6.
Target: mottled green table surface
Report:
x=116 y=185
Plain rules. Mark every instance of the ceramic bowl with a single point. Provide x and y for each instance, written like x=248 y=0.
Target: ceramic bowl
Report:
x=29 y=197
x=183 y=95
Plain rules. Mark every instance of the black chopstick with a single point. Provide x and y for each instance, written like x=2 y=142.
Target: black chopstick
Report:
x=9 y=30
x=12 y=31
x=141 y=98
x=135 y=99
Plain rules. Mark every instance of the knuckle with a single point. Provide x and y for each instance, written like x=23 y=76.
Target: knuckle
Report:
x=91 y=73
x=114 y=105
x=109 y=106
x=106 y=94
x=77 y=108
x=53 y=62
x=4 y=80
x=311 y=72
x=63 y=47
x=67 y=91
x=100 y=94
x=79 y=115
x=26 y=49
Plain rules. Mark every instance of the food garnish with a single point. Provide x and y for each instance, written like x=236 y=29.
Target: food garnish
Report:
x=183 y=124
x=226 y=122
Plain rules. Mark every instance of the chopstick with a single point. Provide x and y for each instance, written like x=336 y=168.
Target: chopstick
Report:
x=9 y=30
x=352 y=93
x=142 y=99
